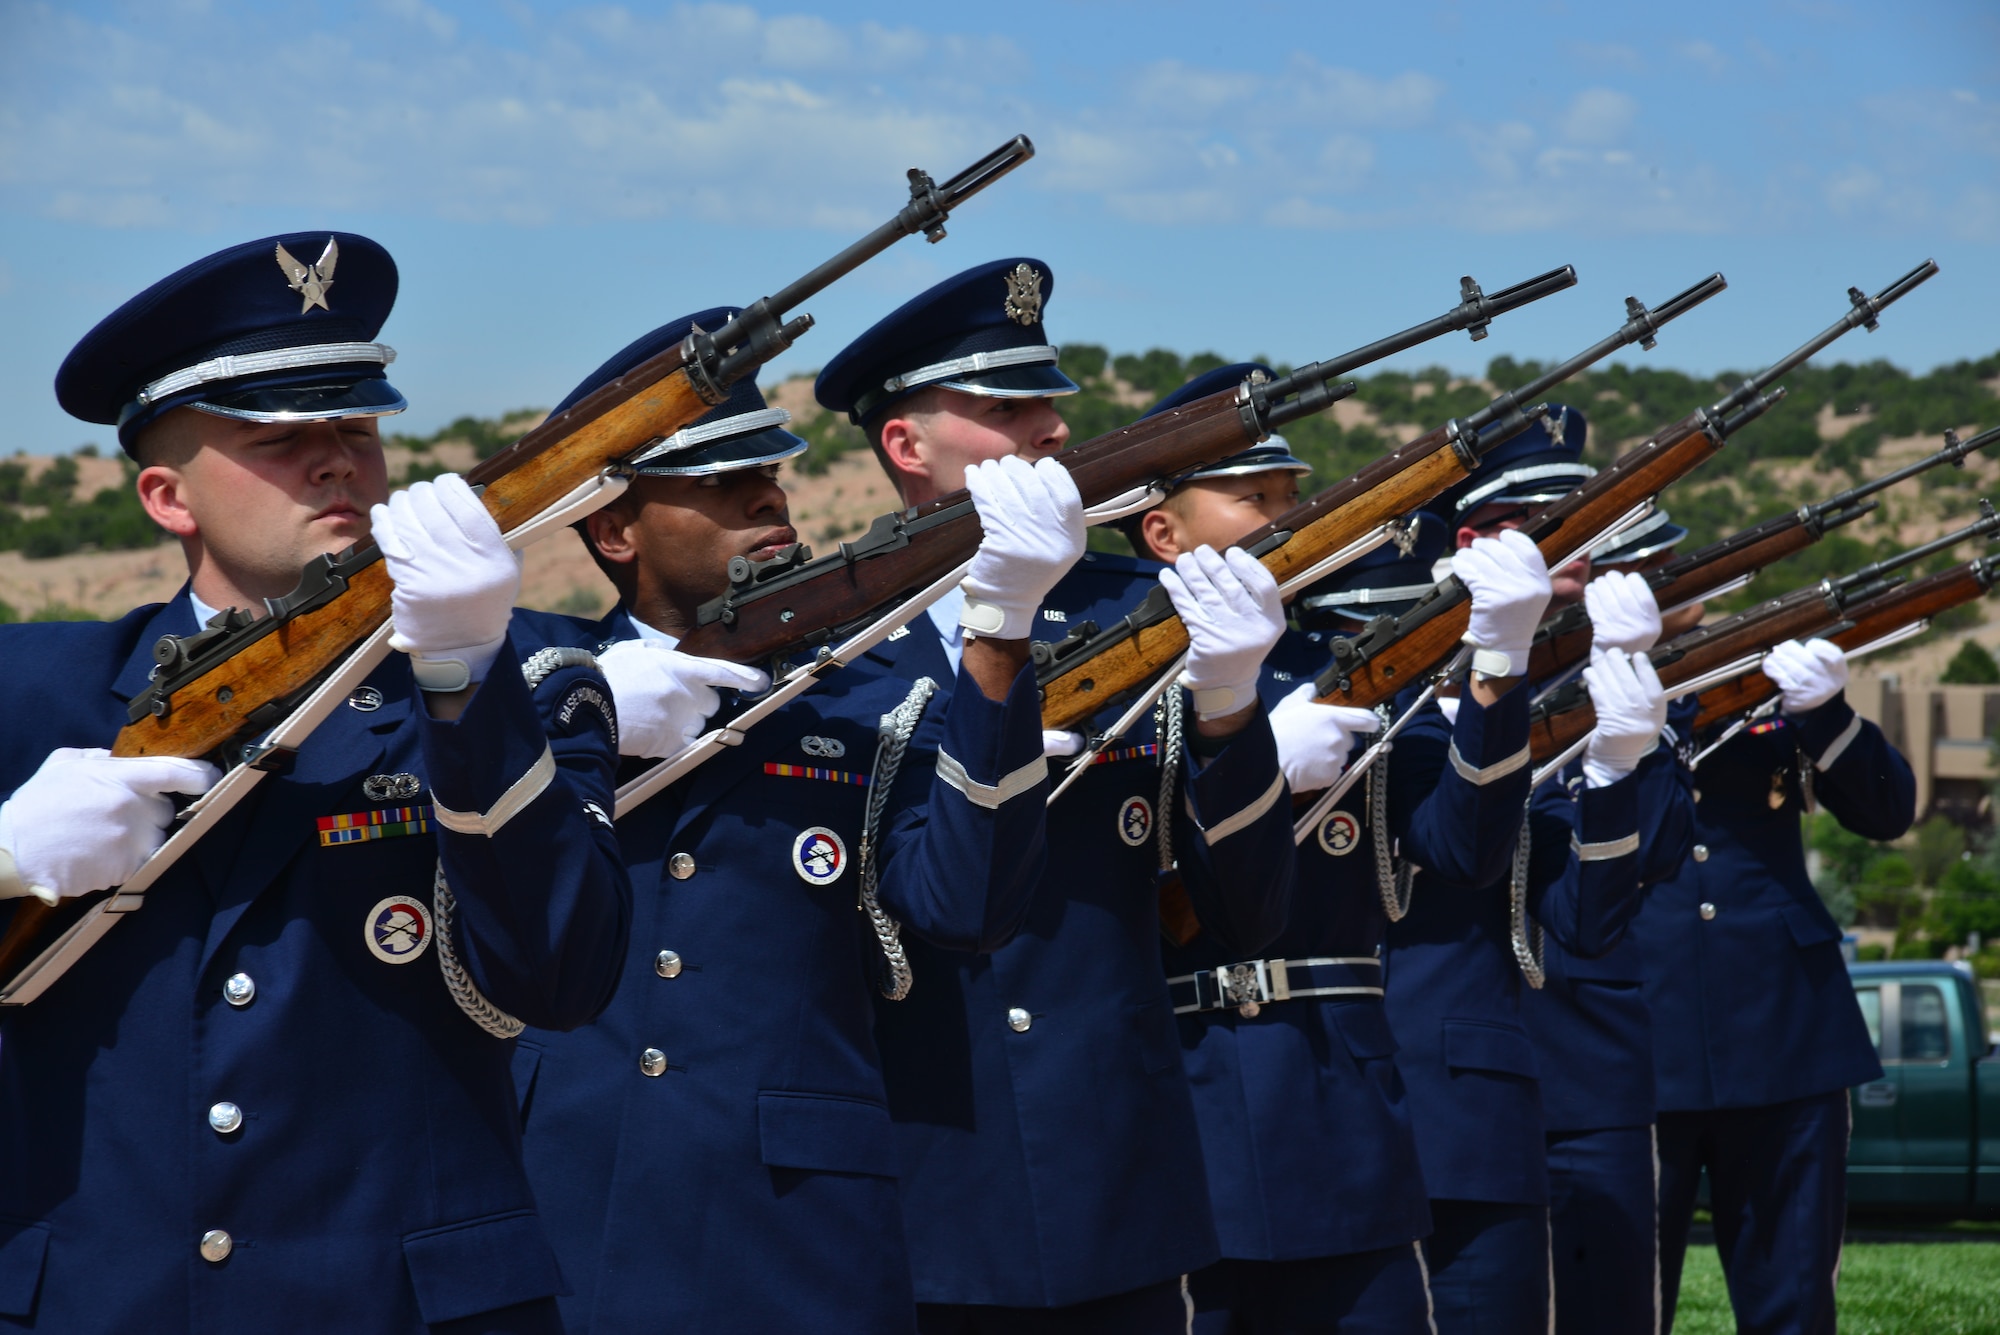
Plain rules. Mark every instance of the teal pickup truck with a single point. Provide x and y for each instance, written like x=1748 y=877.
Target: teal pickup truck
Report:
x=1927 y=1134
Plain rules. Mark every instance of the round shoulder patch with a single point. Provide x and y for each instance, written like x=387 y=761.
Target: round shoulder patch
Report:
x=1340 y=834
x=818 y=856
x=398 y=929
x=1135 y=820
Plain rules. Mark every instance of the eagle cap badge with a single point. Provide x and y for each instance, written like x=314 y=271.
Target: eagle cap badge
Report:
x=311 y=281
x=1024 y=294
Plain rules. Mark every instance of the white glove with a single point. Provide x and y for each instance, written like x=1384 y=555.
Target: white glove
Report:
x=1315 y=740
x=86 y=819
x=1509 y=583
x=1808 y=675
x=1233 y=614
x=1032 y=517
x=455 y=581
x=1623 y=612
x=1061 y=742
x=1631 y=709
x=664 y=696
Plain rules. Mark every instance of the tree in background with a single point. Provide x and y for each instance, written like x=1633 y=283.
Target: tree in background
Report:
x=1972 y=665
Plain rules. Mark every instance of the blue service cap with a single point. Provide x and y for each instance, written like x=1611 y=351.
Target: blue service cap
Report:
x=277 y=330
x=1265 y=456
x=1647 y=538
x=740 y=432
x=1386 y=582
x=1533 y=468
x=978 y=332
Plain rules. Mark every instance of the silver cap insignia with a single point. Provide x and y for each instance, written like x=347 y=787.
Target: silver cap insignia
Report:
x=311 y=281
x=1024 y=294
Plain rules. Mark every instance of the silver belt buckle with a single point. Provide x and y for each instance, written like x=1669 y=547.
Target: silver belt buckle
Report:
x=1245 y=986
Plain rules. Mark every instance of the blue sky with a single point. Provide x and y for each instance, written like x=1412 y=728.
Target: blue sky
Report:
x=1275 y=178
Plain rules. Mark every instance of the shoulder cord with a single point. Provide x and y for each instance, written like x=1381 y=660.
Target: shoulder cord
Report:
x=1168 y=724
x=1395 y=880
x=456 y=981
x=1806 y=782
x=1524 y=934
x=539 y=666
x=537 y=669
x=895 y=729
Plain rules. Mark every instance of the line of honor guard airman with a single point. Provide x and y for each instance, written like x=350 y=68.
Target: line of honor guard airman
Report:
x=849 y=1030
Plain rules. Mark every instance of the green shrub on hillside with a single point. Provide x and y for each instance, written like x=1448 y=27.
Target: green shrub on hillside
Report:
x=1972 y=665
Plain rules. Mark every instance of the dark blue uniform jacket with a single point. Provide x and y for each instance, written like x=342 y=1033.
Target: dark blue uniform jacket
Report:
x=1454 y=987
x=1593 y=1034
x=1305 y=1127
x=1049 y=1147
x=1750 y=998
x=752 y=1186
x=376 y=1181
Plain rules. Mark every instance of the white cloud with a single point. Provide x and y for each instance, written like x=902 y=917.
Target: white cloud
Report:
x=1598 y=116
x=440 y=24
x=1704 y=54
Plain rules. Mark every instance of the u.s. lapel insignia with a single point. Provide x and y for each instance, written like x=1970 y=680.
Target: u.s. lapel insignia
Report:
x=826 y=748
x=1339 y=834
x=390 y=787
x=398 y=929
x=1403 y=532
x=311 y=281
x=1135 y=820
x=818 y=856
x=366 y=699
x=1024 y=294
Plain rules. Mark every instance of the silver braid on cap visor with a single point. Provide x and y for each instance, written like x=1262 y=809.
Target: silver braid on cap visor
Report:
x=970 y=365
x=258 y=363
x=743 y=424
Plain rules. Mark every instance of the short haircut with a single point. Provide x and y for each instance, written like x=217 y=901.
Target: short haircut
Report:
x=167 y=441
x=918 y=404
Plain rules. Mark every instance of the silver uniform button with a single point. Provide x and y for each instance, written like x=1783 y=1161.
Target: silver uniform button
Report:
x=240 y=990
x=216 y=1245
x=652 y=1062
x=680 y=866
x=1018 y=1020
x=667 y=964
x=1701 y=852
x=225 y=1118
x=1707 y=912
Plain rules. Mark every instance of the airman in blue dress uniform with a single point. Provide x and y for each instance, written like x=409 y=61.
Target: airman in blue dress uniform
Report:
x=1311 y=1161
x=1589 y=1022
x=256 y=1104
x=746 y=1175
x=1756 y=1033
x=1460 y=958
x=1046 y=1131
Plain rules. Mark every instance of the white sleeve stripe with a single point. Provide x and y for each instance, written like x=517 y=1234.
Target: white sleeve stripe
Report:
x=1840 y=744
x=1604 y=852
x=1499 y=769
x=525 y=790
x=991 y=795
x=1222 y=829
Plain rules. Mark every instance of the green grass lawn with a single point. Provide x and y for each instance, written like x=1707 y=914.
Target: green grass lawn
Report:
x=1886 y=1288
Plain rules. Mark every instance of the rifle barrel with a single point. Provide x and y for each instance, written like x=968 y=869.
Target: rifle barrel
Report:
x=1640 y=327
x=1987 y=524
x=1862 y=313
x=1954 y=452
x=1472 y=313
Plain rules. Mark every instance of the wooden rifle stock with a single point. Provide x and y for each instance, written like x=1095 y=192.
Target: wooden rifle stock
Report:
x=901 y=553
x=1869 y=622
x=1112 y=664
x=1562 y=720
x=1396 y=651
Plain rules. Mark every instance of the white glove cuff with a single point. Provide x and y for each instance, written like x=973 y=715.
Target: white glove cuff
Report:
x=448 y=670
x=1600 y=772
x=1214 y=702
x=1500 y=662
x=12 y=884
x=995 y=621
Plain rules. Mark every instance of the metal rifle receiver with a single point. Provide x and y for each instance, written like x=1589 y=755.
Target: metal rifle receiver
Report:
x=716 y=361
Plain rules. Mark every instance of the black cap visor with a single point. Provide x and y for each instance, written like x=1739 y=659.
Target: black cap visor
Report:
x=755 y=450
x=369 y=397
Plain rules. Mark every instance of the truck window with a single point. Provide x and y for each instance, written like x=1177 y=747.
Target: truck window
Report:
x=1871 y=1012
x=1926 y=1032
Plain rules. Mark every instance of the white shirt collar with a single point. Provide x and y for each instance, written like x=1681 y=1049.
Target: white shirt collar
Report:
x=944 y=615
x=647 y=632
